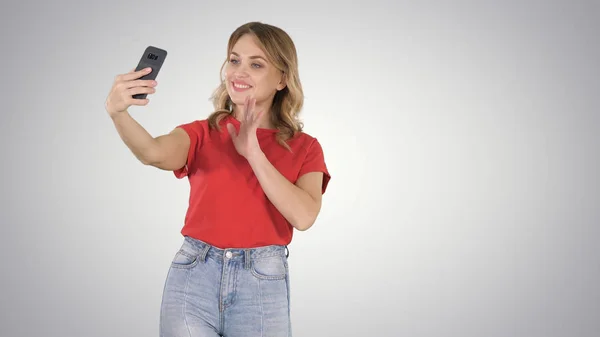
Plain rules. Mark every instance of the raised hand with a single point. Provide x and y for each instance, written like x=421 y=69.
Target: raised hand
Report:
x=246 y=141
x=124 y=87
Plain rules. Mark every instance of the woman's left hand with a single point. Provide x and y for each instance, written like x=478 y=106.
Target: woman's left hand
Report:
x=246 y=141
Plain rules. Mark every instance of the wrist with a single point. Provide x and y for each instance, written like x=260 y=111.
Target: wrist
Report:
x=117 y=114
x=255 y=155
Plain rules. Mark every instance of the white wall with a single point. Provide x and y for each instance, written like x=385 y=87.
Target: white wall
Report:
x=462 y=139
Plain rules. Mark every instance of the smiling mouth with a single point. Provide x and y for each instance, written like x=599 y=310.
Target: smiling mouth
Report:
x=240 y=86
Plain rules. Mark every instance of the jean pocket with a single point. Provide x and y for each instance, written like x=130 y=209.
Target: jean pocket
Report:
x=270 y=268
x=186 y=257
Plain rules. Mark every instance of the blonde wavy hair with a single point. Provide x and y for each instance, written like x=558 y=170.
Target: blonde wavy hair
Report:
x=287 y=103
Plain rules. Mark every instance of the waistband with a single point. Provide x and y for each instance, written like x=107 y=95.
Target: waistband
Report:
x=206 y=250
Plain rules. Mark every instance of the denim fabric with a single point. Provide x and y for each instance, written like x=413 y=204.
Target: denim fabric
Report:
x=212 y=292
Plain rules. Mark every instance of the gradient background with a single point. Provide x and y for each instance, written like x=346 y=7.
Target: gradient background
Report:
x=462 y=138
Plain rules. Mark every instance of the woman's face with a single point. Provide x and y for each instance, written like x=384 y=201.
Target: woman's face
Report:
x=249 y=73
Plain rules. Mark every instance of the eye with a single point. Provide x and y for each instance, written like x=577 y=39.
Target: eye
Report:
x=256 y=65
x=234 y=61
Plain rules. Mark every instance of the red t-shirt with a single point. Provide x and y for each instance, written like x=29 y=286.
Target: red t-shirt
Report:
x=227 y=206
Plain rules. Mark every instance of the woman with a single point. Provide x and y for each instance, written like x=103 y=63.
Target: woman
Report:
x=254 y=176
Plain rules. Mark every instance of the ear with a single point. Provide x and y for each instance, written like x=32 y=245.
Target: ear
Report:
x=282 y=83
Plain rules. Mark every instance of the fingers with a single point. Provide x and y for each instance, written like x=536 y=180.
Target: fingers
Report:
x=137 y=74
x=249 y=106
x=127 y=96
x=139 y=83
x=139 y=90
x=133 y=75
x=253 y=116
x=246 y=108
x=126 y=86
x=140 y=102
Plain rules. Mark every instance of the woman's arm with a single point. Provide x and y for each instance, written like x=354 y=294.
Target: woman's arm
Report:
x=166 y=152
x=300 y=203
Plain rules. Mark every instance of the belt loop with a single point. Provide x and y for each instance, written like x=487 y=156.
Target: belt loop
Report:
x=287 y=252
x=246 y=259
x=204 y=252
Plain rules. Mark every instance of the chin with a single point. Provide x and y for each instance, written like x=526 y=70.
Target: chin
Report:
x=238 y=97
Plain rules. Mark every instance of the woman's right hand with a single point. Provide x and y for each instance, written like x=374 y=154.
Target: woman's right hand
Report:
x=120 y=97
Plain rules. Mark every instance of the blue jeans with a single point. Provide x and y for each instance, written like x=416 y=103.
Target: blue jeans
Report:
x=212 y=292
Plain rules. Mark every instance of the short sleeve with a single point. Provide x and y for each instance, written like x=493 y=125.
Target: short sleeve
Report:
x=315 y=162
x=194 y=131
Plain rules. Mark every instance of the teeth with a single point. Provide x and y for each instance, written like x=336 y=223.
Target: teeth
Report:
x=241 y=86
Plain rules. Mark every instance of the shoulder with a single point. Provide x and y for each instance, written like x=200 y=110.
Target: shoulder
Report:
x=303 y=136
x=198 y=124
x=197 y=128
x=305 y=142
x=312 y=158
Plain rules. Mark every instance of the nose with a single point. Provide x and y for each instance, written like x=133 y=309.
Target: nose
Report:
x=241 y=70
x=240 y=74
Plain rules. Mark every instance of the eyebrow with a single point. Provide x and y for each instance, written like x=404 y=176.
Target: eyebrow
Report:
x=251 y=57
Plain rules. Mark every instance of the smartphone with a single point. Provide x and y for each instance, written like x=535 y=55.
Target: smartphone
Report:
x=154 y=58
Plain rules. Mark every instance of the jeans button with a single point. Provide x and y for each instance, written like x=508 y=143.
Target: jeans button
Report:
x=228 y=255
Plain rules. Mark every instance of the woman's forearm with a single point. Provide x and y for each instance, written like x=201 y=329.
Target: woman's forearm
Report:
x=295 y=204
